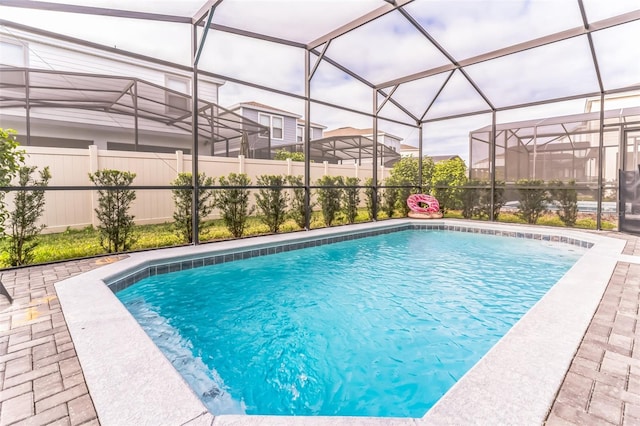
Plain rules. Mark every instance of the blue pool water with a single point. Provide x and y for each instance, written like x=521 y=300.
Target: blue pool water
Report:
x=379 y=326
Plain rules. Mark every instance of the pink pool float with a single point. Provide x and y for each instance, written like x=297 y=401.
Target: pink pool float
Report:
x=423 y=206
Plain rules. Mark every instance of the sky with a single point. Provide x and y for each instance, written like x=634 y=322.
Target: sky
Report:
x=383 y=50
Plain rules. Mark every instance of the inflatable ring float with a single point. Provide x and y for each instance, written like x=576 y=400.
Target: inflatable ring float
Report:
x=423 y=206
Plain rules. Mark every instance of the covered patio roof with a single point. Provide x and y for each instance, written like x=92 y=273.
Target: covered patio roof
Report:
x=161 y=108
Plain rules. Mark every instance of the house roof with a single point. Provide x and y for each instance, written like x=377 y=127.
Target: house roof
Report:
x=348 y=148
x=439 y=158
x=311 y=123
x=262 y=107
x=406 y=147
x=352 y=131
x=96 y=93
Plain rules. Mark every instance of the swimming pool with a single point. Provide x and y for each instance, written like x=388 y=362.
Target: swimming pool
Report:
x=132 y=382
x=379 y=326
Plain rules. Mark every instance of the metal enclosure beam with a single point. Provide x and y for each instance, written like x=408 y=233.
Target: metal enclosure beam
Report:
x=307 y=142
x=374 y=14
x=520 y=47
x=374 y=164
x=90 y=10
x=196 y=51
x=600 y=166
x=492 y=170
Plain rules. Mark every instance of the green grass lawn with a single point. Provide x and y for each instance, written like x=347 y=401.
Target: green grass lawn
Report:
x=86 y=242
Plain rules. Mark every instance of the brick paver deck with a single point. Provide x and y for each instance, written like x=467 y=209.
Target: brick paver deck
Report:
x=602 y=385
x=41 y=381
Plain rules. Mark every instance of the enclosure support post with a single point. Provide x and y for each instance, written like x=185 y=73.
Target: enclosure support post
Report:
x=307 y=139
x=374 y=162
x=194 y=132
x=600 y=166
x=492 y=170
x=27 y=106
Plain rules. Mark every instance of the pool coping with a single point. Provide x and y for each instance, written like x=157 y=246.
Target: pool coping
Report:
x=508 y=385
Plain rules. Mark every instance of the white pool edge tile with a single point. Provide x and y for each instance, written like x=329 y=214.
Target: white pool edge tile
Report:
x=131 y=382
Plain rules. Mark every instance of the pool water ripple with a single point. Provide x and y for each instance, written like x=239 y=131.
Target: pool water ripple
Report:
x=381 y=326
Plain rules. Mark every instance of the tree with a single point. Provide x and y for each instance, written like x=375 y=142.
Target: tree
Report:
x=390 y=197
x=11 y=158
x=351 y=198
x=533 y=199
x=298 y=210
x=484 y=209
x=446 y=183
x=116 y=224
x=405 y=174
x=369 y=192
x=272 y=201
x=28 y=206
x=567 y=198
x=283 y=154
x=470 y=197
x=329 y=197
x=234 y=202
x=183 y=201
x=476 y=199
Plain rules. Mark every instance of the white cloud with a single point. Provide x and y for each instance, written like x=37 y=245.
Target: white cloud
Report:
x=560 y=69
x=466 y=28
x=295 y=20
x=163 y=40
x=385 y=49
x=269 y=64
x=618 y=51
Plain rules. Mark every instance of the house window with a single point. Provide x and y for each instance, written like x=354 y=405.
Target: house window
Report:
x=274 y=123
x=13 y=54
x=178 y=104
x=299 y=133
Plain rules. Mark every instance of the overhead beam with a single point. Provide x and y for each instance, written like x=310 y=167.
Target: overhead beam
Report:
x=442 y=50
x=263 y=37
x=364 y=19
x=520 y=47
x=90 y=10
x=204 y=11
x=592 y=49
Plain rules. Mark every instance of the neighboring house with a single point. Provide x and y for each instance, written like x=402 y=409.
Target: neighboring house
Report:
x=387 y=139
x=59 y=91
x=286 y=129
x=409 y=151
x=565 y=147
x=348 y=145
x=440 y=158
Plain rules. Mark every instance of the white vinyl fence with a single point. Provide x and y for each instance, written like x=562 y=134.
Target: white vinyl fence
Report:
x=71 y=167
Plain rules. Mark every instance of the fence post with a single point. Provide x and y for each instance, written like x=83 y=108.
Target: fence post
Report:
x=179 y=162
x=93 y=167
x=356 y=170
x=289 y=166
x=240 y=164
x=326 y=168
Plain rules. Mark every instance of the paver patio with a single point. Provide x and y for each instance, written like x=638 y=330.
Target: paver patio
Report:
x=41 y=381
